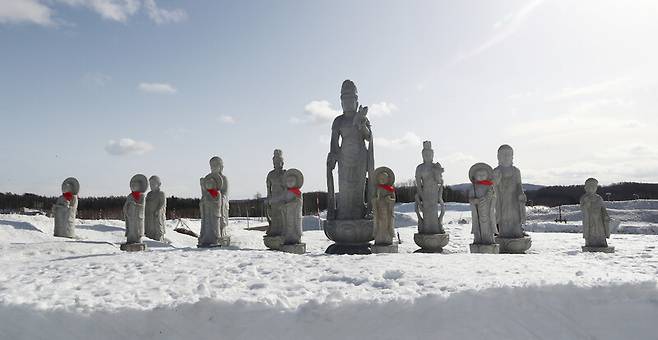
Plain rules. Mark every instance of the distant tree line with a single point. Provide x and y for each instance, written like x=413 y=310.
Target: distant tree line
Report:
x=561 y=195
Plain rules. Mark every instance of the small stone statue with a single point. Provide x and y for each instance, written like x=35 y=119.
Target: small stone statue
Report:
x=510 y=204
x=217 y=170
x=383 y=204
x=133 y=213
x=482 y=198
x=275 y=188
x=596 y=221
x=66 y=208
x=429 y=198
x=292 y=213
x=211 y=211
x=156 y=206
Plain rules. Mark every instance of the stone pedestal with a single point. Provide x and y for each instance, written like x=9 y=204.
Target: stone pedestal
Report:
x=431 y=243
x=221 y=242
x=484 y=248
x=273 y=242
x=350 y=236
x=381 y=249
x=514 y=245
x=130 y=247
x=599 y=249
x=299 y=248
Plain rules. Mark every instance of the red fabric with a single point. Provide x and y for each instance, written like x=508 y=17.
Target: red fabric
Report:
x=388 y=188
x=136 y=195
x=213 y=192
x=485 y=182
x=68 y=196
x=296 y=191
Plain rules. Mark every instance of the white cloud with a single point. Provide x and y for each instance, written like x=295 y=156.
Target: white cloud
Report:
x=407 y=140
x=25 y=11
x=317 y=111
x=227 y=119
x=163 y=16
x=127 y=146
x=381 y=109
x=159 y=88
x=117 y=10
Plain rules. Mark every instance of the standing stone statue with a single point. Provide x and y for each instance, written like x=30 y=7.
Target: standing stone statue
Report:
x=211 y=212
x=217 y=172
x=510 y=204
x=156 y=207
x=429 y=198
x=133 y=213
x=382 y=205
x=292 y=201
x=482 y=198
x=66 y=208
x=349 y=215
x=275 y=188
x=596 y=221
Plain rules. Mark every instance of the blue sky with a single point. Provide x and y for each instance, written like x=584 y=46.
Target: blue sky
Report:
x=104 y=89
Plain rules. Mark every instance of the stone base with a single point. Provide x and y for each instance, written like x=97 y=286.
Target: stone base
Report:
x=484 y=248
x=133 y=247
x=299 y=248
x=381 y=249
x=349 y=232
x=337 y=249
x=599 y=249
x=221 y=242
x=514 y=245
x=431 y=243
x=273 y=242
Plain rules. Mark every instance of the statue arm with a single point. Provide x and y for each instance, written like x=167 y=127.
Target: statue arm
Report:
x=334 y=148
x=519 y=186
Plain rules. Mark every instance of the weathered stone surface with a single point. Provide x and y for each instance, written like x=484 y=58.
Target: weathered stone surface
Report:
x=273 y=242
x=608 y=249
x=432 y=242
x=383 y=205
x=65 y=209
x=429 y=197
x=224 y=241
x=299 y=248
x=482 y=198
x=276 y=187
x=210 y=207
x=381 y=249
x=349 y=232
x=510 y=198
x=337 y=249
x=596 y=221
x=133 y=247
x=484 y=248
x=134 y=209
x=514 y=245
x=156 y=207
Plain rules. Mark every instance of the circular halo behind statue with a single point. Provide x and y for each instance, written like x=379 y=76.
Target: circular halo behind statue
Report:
x=387 y=171
x=73 y=183
x=141 y=181
x=299 y=177
x=477 y=167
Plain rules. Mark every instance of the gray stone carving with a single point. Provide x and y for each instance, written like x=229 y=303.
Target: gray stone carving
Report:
x=66 y=207
x=596 y=221
x=292 y=213
x=429 y=200
x=274 y=205
x=382 y=204
x=482 y=198
x=156 y=207
x=510 y=204
x=133 y=213
x=349 y=214
x=214 y=206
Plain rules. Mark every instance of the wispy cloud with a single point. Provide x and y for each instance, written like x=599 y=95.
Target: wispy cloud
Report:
x=407 y=140
x=158 y=88
x=226 y=119
x=25 y=11
x=588 y=90
x=127 y=146
x=317 y=111
x=163 y=16
x=382 y=109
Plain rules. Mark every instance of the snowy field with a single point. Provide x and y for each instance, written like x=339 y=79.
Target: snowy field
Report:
x=53 y=288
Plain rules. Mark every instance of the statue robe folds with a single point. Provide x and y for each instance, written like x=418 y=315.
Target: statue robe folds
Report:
x=483 y=212
x=156 y=206
x=510 y=202
x=292 y=218
x=275 y=188
x=429 y=183
x=596 y=221
x=383 y=205
x=133 y=212
x=211 y=214
x=64 y=212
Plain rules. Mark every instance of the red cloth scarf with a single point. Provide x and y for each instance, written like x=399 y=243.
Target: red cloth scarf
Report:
x=296 y=191
x=136 y=195
x=68 y=196
x=485 y=182
x=388 y=188
x=213 y=192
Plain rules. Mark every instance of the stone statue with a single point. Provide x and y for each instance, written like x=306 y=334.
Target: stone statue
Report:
x=510 y=204
x=349 y=216
x=156 y=206
x=429 y=198
x=275 y=187
x=217 y=172
x=382 y=205
x=211 y=211
x=66 y=208
x=133 y=213
x=596 y=221
x=482 y=198
x=292 y=212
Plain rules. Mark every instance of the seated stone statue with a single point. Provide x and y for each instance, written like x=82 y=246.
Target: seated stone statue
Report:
x=156 y=206
x=133 y=209
x=383 y=204
x=292 y=207
x=66 y=207
x=211 y=212
x=596 y=221
x=482 y=198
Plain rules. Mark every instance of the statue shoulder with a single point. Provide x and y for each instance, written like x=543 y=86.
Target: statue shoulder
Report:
x=337 y=121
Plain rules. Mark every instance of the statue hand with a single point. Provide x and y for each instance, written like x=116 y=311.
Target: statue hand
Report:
x=363 y=110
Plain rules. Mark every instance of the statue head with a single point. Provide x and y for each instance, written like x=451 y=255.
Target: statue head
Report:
x=505 y=155
x=216 y=165
x=155 y=183
x=138 y=183
x=277 y=159
x=384 y=176
x=349 y=99
x=71 y=185
x=428 y=153
x=480 y=172
x=294 y=178
x=591 y=185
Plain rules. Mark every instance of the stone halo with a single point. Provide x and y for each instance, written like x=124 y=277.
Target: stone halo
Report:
x=299 y=177
x=75 y=185
x=141 y=181
x=391 y=175
x=477 y=167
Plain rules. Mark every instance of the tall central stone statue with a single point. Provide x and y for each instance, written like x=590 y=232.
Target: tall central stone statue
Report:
x=349 y=214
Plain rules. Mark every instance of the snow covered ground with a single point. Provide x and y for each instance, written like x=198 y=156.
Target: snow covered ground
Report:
x=53 y=288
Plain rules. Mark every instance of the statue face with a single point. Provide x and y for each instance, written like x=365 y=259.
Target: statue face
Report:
x=278 y=163
x=350 y=103
x=155 y=183
x=505 y=157
x=291 y=181
x=590 y=188
x=216 y=165
x=428 y=156
x=382 y=178
x=481 y=175
x=134 y=186
x=66 y=187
